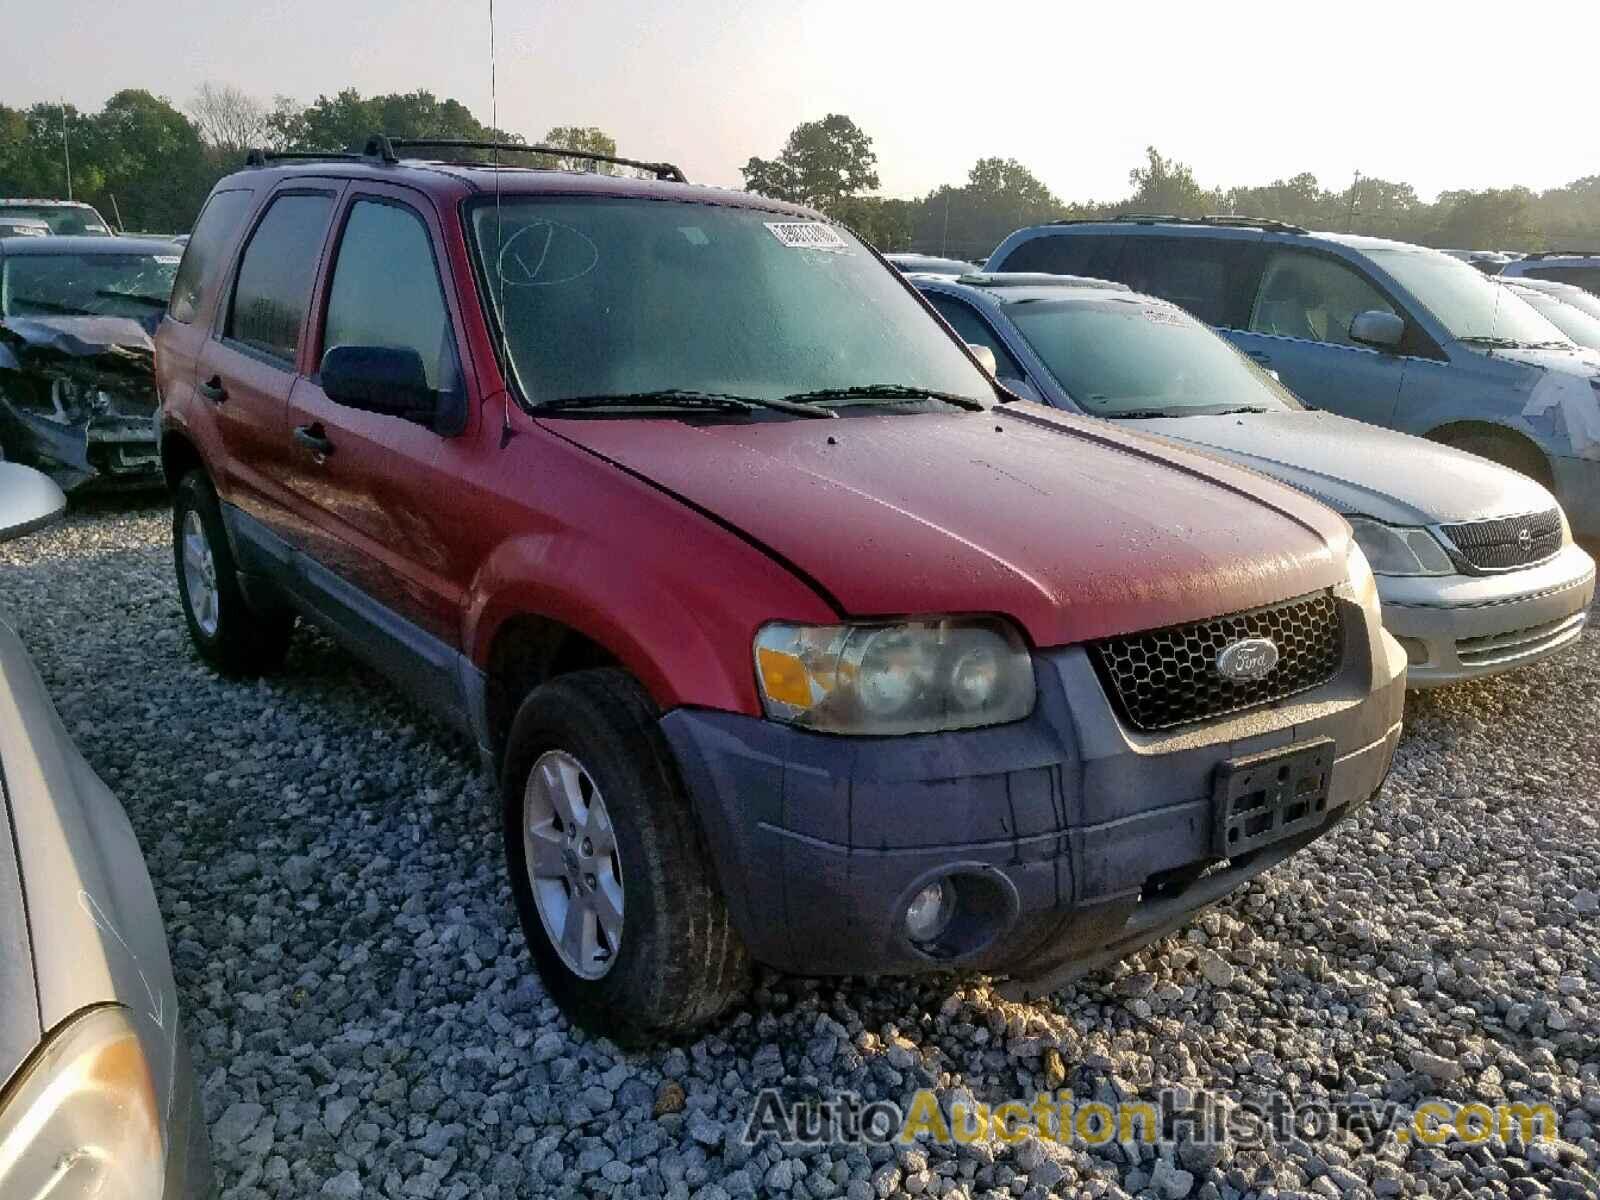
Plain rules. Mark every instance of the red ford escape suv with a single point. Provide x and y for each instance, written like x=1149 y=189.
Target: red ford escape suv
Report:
x=790 y=637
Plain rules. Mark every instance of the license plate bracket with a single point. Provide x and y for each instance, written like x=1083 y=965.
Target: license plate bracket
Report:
x=1262 y=798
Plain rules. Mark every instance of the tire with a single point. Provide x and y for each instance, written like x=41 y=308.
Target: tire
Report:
x=227 y=632
x=678 y=963
x=1522 y=457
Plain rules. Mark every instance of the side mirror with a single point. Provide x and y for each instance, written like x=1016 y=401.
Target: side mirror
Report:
x=1378 y=329
x=985 y=356
x=380 y=379
x=28 y=500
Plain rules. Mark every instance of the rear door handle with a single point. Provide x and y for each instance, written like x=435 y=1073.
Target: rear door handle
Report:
x=315 y=439
x=213 y=390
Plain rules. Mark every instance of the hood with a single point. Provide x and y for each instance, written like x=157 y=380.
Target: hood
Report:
x=1583 y=363
x=1361 y=469
x=1074 y=529
x=19 y=997
x=93 y=924
x=80 y=337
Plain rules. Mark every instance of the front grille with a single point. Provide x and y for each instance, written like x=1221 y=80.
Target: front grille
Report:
x=1509 y=541
x=1168 y=677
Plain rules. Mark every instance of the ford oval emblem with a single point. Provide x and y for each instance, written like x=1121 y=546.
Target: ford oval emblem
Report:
x=1248 y=660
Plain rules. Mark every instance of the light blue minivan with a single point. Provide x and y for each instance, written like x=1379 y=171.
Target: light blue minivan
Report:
x=1382 y=331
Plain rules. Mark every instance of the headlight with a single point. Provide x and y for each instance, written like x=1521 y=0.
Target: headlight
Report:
x=904 y=677
x=1398 y=550
x=82 y=1118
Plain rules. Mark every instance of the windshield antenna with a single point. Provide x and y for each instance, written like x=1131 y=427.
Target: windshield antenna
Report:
x=499 y=245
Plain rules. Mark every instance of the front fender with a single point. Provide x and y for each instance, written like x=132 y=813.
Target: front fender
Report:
x=673 y=597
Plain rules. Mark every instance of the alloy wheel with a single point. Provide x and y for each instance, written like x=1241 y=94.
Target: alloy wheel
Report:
x=573 y=867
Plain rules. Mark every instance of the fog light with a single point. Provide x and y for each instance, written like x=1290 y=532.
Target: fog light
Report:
x=1416 y=650
x=928 y=915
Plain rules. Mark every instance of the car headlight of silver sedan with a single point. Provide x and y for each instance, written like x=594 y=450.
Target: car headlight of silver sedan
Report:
x=82 y=1118
x=1400 y=549
x=916 y=676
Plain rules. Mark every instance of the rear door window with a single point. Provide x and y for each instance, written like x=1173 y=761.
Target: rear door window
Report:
x=276 y=273
x=202 y=258
x=1199 y=274
x=971 y=327
x=386 y=291
x=1313 y=298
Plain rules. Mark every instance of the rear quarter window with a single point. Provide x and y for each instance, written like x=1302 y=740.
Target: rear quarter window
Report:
x=1094 y=255
x=203 y=258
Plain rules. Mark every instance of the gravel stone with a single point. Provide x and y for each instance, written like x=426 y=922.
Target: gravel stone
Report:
x=365 y=1020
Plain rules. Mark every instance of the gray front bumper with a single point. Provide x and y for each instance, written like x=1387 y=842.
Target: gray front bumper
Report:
x=1075 y=836
x=1475 y=625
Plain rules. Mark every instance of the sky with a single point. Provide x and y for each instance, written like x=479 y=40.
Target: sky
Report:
x=1438 y=95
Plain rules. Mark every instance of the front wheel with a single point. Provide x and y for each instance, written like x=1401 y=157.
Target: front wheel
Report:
x=614 y=888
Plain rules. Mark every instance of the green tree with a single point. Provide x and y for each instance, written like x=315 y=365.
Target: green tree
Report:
x=151 y=161
x=344 y=121
x=1168 y=187
x=821 y=164
x=579 y=137
x=1492 y=219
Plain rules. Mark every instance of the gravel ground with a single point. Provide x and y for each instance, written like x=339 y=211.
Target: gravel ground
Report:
x=365 y=1019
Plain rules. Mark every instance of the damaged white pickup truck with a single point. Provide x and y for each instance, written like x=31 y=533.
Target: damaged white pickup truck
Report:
x=77 y=383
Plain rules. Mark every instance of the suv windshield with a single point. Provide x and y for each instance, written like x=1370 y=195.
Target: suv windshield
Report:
x=64 y=219
x=617 y=297
x=1135 y=356
x=1471 y=306
x=76 y=285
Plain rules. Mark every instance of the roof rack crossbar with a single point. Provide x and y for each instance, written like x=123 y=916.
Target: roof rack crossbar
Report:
x=1223 y=220
x=260 y=158
x=386 y=149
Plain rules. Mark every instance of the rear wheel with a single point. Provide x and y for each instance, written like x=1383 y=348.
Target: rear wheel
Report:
x=1523 y=457
x=227 y=632
x=614 y=887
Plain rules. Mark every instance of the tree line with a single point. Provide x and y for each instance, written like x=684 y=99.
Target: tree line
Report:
x=148 y=165
x=831 y=165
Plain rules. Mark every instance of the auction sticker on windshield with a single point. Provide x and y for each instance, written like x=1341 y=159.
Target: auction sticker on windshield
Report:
x=807 y=235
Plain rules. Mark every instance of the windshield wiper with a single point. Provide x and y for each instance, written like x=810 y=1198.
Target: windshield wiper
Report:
x=154 y=301
x=886 y=391
x=1142 y=414
x=686 y=398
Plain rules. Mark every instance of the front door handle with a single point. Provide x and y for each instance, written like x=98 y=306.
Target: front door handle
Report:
x=315 y=439
x=213 y=390
x=1261 y=356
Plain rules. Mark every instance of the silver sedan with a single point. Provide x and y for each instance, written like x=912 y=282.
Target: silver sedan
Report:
x=1475 y=563
x=97 y=1093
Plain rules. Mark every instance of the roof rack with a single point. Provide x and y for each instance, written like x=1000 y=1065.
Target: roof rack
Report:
x=1222 y=220
x=260 y=158
x=1562 y=254
x=385 y=149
